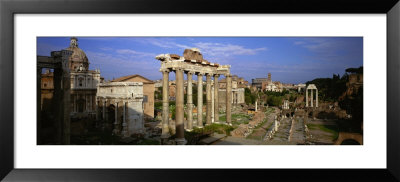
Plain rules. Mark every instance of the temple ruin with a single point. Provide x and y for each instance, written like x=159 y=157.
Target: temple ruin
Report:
x=312 y=87
x=191 y=63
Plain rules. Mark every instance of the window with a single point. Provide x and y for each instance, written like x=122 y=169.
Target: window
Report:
x=80 y=82
x=144 y=98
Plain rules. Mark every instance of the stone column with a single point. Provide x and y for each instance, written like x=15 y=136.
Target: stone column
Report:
x=124 y=132
x=165 y=108
x=216 y=102
x=57 y=104
x=116 y=119
x=316 y=98
x=104 y=109
x=75 y=102
x=66 y=104
x=179 y=116
x=212 y=104
x=97 y=110
x=208 y=99
x=256 y=105
x=228 y=98
x=38 y=105
x=306 y=97
x=200 y=100
x=189 y=102
x=312 y=100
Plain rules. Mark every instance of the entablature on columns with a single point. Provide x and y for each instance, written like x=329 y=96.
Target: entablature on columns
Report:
x=174 y=62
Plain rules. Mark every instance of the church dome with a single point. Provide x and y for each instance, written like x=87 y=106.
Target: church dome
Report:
x=78 y=59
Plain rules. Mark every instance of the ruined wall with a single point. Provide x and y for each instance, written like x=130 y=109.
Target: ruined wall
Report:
x=190 y=54
x=132 y=94
x=148 y=93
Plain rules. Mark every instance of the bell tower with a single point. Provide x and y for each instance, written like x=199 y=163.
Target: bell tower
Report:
x=74 y=42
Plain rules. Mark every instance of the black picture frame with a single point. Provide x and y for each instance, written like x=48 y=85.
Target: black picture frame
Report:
x=8 y=8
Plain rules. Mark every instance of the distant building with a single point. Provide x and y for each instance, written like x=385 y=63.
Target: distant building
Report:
x=258 y=82
x=83 y=83
x=301 y=87
x=148 y=92
x=266 y=84
x=237 y=90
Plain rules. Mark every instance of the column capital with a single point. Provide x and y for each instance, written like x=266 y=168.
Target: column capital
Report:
x=216 y=75
x=199 y=73
x=210 y=74
x=228 y=75
x=165 y=70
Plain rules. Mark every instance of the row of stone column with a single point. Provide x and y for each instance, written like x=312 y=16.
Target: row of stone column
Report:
x=116 y=131
x=210 y=104
x=312 y=98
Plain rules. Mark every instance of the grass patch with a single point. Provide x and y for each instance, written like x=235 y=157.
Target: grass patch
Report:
x=326 y=128
x=237 y=119
x=198 y=133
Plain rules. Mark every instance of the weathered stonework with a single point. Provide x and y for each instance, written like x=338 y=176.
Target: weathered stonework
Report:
x=192 y=62
x=120 y=105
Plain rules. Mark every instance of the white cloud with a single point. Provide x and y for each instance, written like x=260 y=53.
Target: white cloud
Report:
x=135 y=53
x=218 y=49
x=211 y=50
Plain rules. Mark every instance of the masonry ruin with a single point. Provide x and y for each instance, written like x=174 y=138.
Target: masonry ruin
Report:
x=311 y=88
x=60 y=126
x=191 y=63
x=120 y=105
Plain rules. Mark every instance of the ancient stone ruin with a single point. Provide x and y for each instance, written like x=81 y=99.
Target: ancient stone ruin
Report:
x=192 y=63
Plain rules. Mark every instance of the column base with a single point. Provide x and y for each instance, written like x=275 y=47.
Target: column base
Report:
x=180 y=141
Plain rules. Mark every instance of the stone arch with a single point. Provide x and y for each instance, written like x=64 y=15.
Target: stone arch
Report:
x=346 y=136
x=111 y=113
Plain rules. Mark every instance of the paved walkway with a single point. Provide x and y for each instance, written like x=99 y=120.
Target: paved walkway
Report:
x=298 y=133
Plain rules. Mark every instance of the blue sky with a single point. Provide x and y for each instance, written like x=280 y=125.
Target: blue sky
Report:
x=288 y=59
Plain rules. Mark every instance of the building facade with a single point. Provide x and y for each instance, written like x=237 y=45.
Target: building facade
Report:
x=83 y=83
x=148 y=92
x=120 y=106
